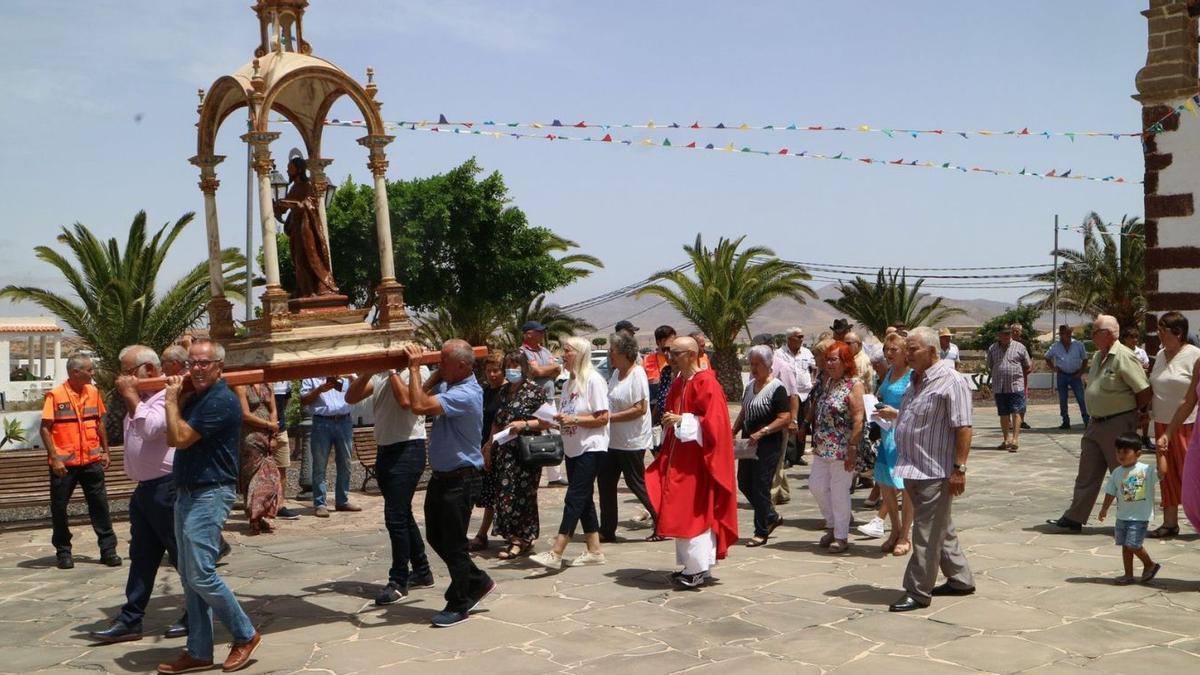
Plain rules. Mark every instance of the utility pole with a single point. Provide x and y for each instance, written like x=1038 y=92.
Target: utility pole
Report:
x=1054 y=309
x=249 y=227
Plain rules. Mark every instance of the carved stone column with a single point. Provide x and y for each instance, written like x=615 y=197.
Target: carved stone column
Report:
x=390 y=293
x=320 y=181
x=274 y=298
x=220 y=310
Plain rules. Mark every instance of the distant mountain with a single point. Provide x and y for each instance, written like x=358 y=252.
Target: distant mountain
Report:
x=814 y=316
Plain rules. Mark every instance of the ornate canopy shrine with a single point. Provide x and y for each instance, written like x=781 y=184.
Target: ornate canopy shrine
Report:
x=285 y=78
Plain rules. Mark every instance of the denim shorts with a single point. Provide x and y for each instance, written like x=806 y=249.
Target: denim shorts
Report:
x=1010 y=403
x=1130 y=533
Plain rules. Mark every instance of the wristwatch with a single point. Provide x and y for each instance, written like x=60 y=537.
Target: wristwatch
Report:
x=962 y=468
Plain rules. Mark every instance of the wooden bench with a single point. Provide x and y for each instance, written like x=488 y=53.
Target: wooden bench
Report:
x=365 y=451
x=25 y=479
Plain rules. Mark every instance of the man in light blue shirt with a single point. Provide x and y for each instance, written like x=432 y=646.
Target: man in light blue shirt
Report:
x=1068 y=359
x=455 y=400
x=325 y=400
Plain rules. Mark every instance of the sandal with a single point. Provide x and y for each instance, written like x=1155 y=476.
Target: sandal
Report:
x=902 y=548
x=772 y=526
x=888 y=546
x=477 y=543
x=827 y=540
x=1012 y=447
x=1002 y=446
x=515 y=550
x=839 y=546
x=656 y=537
x=755 y=542
x=1149 y=574
x=1123 y=580
x=1163 y=532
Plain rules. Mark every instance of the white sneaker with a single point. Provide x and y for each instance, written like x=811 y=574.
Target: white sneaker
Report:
x=548 y=559
x=588 y=558
x=875 y=529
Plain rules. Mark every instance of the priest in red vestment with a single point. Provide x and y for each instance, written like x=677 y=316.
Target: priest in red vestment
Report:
x=692 y=483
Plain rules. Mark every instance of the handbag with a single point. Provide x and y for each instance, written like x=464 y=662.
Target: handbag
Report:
x=537 y=451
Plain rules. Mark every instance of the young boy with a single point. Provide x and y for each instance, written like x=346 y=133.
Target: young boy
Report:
x=1131 y=484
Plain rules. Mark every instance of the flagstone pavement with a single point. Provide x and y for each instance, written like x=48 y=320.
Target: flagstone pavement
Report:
x=1045 y=602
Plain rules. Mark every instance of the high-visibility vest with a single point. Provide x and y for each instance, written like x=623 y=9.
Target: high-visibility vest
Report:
x=653 y=366
x=75 y=423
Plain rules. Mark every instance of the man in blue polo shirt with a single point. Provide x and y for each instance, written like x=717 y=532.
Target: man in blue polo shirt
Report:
x=454 y=398
x=205 y=432
x=1068 y=359
x=325 y=399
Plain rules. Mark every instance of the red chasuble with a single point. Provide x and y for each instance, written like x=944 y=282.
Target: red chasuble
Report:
x=692 y=486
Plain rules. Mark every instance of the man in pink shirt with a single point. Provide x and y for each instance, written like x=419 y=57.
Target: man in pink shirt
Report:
x=148 y=460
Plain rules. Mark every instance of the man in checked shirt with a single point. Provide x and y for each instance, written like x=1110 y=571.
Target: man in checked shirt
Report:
x=933 y=438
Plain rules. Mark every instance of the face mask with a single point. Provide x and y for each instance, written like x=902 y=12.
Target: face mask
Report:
x=512 y=375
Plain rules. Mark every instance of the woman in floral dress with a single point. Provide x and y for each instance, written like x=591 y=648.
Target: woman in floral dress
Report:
x=514 y=503
x=258 y=479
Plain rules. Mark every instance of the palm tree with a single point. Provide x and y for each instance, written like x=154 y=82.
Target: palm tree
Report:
x=556 y=244
x=728 y=288
x=559 y=324
x=116 y=301
x=889 y=300
x=1107 y=276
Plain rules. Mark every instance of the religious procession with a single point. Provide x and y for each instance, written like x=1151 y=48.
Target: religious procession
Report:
x=983 y=461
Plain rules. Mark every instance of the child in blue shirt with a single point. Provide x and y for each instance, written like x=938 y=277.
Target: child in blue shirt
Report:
x=1131 y=485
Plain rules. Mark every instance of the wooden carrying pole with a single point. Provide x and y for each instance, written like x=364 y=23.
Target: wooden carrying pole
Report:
x=329 y=366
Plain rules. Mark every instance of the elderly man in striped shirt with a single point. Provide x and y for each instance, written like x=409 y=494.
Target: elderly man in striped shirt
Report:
x=933 y=437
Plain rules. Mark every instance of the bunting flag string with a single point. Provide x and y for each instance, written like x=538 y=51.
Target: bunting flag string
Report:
x=1023 y=132
x=607 y=138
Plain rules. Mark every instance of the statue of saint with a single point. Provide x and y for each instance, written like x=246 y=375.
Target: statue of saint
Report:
x=306 y=238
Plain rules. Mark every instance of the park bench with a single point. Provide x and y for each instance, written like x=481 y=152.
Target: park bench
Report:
x=365 y=451
x=25 y=479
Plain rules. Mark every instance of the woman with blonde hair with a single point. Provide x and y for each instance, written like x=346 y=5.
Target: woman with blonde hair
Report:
x=583 y=421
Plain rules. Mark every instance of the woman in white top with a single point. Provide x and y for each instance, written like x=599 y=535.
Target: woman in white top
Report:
x=1171 y=380
x=628 y=434
x=583 y=420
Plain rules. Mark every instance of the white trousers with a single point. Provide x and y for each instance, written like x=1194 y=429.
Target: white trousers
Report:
x=829 y=482
x=697 y=554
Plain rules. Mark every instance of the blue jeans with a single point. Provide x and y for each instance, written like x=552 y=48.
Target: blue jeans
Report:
x=338 y=433
x=200 y=514
x=398 y=469
x=1074 y=382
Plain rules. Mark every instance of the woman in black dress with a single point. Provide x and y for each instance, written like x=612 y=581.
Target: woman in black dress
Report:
x=514 y=500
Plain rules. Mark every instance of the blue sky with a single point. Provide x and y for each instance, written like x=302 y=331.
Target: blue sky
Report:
x=77 y=74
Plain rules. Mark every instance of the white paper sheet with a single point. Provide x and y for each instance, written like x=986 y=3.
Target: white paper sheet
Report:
x=547 y=412
x=503 y=436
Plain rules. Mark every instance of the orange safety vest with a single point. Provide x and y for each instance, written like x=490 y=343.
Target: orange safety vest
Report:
x=653 y=364
x=75 y=424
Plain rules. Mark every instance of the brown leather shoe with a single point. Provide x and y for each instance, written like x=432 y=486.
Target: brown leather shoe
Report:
x=239 y=655
x=186 y=663
x=348 y=507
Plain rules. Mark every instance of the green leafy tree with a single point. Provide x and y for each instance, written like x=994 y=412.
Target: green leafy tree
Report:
x=599 y=342
x=115 y=300
x=726 y=289
x=1022 y=314
x=1106 y=276
x=466 y=256
x=889 y=299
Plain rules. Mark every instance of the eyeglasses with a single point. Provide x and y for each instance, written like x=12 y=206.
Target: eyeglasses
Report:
x=202 y=364
x=131 y=371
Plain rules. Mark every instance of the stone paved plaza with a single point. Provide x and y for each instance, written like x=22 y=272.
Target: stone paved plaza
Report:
x=1045 y=601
